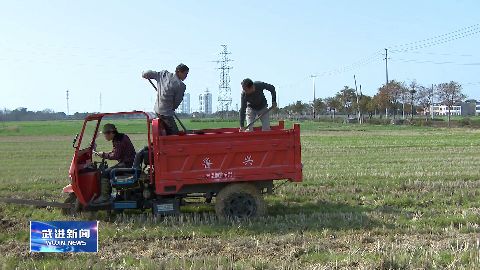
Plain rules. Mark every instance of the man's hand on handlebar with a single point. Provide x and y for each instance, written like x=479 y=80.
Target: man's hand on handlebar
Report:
x=100 y=154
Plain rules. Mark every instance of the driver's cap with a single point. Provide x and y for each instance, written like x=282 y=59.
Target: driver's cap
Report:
x=107 y=128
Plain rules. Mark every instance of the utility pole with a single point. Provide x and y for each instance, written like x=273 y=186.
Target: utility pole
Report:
x=4 y=118
x=386 y=78
x=412 y=92
x=313 y=103
x=358 y=99
x=68 y=105
x=433 y=96
x=386 y=65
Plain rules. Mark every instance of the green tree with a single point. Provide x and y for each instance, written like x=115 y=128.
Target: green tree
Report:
x=365 y=104
x=333 y=105
x=390 y=95
x=319 y=105
x=382 y=100
x=347 y=98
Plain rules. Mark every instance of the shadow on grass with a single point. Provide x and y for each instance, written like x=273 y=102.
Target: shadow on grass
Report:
x=299 y=217
x=282 y=218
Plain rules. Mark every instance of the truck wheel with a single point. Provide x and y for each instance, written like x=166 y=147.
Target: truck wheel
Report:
x=76 y=206
x=239 y=201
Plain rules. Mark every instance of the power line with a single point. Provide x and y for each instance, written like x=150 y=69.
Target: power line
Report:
x=354 y=66
x=440 y=54
x=468 y=28
x=417 y=61
x=455 y=35
x=471 y=83
x=406 y=47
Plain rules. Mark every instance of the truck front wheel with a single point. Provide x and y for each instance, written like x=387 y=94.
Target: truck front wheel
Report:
x=241 y=200
x=75 y=208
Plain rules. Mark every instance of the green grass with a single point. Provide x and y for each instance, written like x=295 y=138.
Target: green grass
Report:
x=70 y=128
x=373 y=197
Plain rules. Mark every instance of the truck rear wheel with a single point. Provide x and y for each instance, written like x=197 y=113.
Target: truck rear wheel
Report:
x=239 y=201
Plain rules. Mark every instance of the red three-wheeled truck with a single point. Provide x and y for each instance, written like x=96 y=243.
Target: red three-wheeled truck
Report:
x=231 y=168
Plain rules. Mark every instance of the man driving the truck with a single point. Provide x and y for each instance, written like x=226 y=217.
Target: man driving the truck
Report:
x=123 y=152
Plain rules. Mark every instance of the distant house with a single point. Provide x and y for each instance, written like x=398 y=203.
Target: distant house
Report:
x=467 y=108
x=442 y=110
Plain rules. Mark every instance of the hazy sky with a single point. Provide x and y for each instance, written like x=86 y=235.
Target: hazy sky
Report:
x=88 y=47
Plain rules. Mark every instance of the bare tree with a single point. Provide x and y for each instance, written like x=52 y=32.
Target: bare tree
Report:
x=404 y=96
x=425 y=99
x=449 y=94
x=413 y=97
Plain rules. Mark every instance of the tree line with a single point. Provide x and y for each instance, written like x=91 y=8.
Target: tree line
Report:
x=394 y=100
x=23 y=114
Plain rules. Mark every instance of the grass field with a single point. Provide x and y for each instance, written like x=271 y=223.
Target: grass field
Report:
x=373 y=197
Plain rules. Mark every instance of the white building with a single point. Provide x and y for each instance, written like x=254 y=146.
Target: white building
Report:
x=440 y=109
x=477 y=108
x=184 y=106
x=205 y=101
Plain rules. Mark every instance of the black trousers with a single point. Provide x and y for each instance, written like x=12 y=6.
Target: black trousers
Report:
x=169 y=123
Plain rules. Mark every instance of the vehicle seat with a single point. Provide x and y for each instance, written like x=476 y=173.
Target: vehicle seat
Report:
x=126 y=177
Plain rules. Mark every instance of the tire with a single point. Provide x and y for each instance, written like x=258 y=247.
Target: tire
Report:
x=76 y=205
x=239 y=201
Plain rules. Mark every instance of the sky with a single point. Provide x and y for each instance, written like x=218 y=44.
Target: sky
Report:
x=92 y=47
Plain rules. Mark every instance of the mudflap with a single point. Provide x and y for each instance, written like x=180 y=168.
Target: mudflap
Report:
x=68 y=189
x=98 y=207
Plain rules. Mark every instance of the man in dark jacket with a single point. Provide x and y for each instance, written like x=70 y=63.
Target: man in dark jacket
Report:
x=123 y=152
x=254 y=103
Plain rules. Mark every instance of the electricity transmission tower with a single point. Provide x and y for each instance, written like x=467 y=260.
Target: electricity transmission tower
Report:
x=224 y=90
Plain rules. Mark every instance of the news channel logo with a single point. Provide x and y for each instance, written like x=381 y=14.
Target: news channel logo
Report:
x=63 y=236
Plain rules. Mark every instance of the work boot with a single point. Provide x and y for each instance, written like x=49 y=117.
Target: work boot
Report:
x=105 y=191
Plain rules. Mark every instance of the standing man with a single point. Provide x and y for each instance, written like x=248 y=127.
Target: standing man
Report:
x=170 y=91
x=254 y=103
x=123 y=152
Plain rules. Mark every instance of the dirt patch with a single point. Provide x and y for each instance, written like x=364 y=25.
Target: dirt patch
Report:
x=6 y=224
